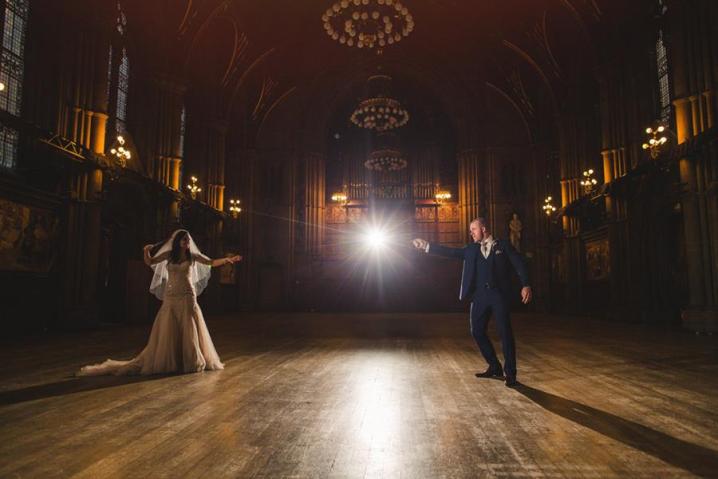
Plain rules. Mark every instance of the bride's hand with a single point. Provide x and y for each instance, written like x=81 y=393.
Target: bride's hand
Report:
x=147 y=247
x=234 y=259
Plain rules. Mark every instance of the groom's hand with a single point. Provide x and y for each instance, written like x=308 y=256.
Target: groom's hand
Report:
x=526 y=294
x=420 y=244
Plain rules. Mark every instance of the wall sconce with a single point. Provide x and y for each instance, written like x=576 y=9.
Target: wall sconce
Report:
x=588 y=181
x=548 y=206
x=656 y=140
x=234 y=208
x=340 y=198
x=2 y=86
x=442 y=196
x=194 y=188
x=119 y=151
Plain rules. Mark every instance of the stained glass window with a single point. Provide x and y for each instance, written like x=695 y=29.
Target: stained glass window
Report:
x=118 y=76
x=14 y=22
x=664 y=92
x=8 y=146
x=183 y=122
x=123 y=89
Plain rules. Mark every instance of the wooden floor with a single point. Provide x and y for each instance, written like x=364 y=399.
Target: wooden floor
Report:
x=389 y=396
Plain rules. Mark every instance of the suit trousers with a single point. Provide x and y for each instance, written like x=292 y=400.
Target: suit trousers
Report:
x=485 y=303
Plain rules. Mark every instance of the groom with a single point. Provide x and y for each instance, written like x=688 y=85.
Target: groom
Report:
x=486 y=280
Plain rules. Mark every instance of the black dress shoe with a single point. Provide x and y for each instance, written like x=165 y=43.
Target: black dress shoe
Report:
x=491 y=373
x=511 y=381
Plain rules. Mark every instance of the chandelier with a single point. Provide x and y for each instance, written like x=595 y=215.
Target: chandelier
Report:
x=385 y=159
x=656 y=142
x=548 y=206
x=194 y=188
x=588 y=181
x=379 y=112
x=368 y=23
x=442 y=196
x=340 y=197
x=119 y=151
x=234 y=208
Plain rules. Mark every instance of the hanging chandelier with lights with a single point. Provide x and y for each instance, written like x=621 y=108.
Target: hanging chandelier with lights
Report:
x=368 y=23
x=379 y=112
x=548 y=206
x=386 y=154
x=388 y=159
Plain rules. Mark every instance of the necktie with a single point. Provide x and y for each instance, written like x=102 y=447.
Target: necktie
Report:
x=485 y=249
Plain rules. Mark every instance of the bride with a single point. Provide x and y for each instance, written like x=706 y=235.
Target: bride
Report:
x=179 y=341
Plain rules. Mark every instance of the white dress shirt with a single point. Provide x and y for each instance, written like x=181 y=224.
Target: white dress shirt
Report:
x=486 y=246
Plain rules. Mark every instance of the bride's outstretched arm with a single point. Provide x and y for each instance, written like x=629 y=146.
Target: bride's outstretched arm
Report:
x=150 y=260
x=217 y=262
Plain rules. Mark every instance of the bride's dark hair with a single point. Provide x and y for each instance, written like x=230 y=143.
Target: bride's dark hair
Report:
x=156 y=247
x=176 y=253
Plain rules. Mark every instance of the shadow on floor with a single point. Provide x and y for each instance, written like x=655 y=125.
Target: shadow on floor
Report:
x=71 y=386
x=691 y=457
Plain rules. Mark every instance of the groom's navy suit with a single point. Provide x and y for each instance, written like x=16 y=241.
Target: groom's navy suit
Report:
x=487 y=281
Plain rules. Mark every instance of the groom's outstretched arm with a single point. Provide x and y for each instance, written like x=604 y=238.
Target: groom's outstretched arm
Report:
x=445 y=251
x=437 y=249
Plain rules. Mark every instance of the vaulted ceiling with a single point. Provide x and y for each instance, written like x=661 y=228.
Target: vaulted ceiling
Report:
x=258 y=56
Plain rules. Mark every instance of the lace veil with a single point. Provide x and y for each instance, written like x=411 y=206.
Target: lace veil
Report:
x=199 y=272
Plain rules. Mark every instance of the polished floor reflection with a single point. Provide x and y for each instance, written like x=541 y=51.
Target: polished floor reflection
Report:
x=312 y=395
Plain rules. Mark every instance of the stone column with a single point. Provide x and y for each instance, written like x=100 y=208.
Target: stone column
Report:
x=161 y=132
x=216 y=157
x=708 y=95
x=607 y=178
x=469 y=188
x=315 y=194
x=84 y=215
x=99 y=130
x=699 y=208
x=100 y=98
x=176 y=172
x=684 y=119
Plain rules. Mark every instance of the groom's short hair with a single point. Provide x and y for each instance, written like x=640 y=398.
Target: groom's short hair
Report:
x=481 y=221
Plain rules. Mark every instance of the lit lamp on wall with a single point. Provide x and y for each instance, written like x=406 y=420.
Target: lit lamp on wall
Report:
x=194 y=188
x=119 y=151
x=234 y=208
x=656 y=140
x=588 y=182
x=442 y=196
x=548 y=206
x=340 y=198
x=2 y=86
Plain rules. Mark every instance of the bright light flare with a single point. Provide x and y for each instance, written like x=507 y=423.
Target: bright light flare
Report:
x=376 y=239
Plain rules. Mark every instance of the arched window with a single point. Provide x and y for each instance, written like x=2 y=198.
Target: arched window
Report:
x=183 y=126
x=183 y=129
x=13 y=23
x=118 y=75
x=123 y=89
x=664 y=91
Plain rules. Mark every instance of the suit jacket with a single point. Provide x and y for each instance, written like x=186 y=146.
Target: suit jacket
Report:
x=494 y=274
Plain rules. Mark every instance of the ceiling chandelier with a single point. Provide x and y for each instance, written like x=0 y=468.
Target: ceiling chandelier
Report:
x=368 y=23
x=386 y=156
x=388 y=159
x=379 y=112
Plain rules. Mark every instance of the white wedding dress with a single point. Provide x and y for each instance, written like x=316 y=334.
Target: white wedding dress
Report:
x=179 y=341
